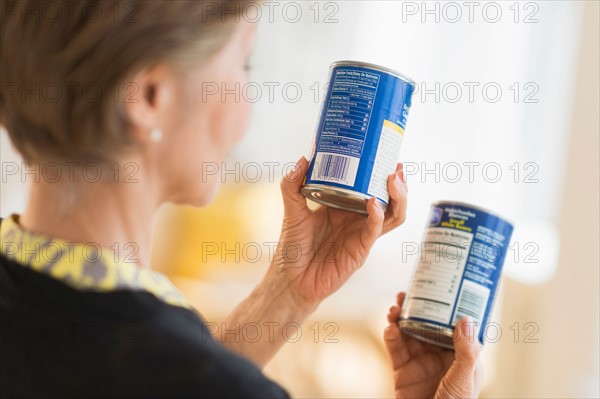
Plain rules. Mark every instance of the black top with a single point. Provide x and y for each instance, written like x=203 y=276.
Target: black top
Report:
x=56 y=341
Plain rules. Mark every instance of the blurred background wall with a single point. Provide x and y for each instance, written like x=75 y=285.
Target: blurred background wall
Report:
x=505 y=116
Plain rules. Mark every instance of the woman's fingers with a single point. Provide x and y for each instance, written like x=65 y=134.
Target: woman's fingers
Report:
x=400 y=298
x=394 y=314
x=463 y=379
x=393 y=342
x=400 y=172
x=466 y=344
x=293 y=200
x=374 y=225
x=398 y=190
x=393 y=338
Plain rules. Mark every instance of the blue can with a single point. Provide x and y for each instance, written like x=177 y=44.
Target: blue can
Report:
x=359 y=135
x=458 y=272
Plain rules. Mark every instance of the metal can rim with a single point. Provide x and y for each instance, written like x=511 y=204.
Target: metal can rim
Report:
x=477 y=207
x=444 y=331
x=376 y=67
x=311 y=188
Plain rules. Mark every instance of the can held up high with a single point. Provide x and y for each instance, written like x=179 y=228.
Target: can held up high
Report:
x=359 y=135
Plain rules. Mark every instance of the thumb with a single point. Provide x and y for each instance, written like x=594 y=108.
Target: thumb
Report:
x=374 y=225
x=293 y=200
x=466 y=343
x=463 y=378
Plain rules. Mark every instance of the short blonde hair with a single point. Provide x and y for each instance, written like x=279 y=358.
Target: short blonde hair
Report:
x=64 y=66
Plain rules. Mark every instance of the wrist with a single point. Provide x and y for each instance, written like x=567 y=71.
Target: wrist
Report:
x=281 y=293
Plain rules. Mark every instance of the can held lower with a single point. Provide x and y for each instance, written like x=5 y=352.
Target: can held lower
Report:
x=358 y=136
x=458 y=272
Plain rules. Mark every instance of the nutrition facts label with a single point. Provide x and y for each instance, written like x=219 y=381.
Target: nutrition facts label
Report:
x=348 y=112
x=437 y=278
x=346 y=122
x=388 y=152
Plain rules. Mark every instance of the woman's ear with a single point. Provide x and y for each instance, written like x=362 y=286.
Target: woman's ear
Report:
x=147 y=99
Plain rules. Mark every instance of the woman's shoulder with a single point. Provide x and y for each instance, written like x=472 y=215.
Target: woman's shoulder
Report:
x=129 y=343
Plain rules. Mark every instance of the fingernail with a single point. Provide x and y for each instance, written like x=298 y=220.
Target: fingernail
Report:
x=298 y=163
x=397 y=180
x=466 y=327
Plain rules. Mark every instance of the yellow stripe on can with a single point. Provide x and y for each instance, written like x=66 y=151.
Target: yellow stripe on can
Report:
x=393 y=126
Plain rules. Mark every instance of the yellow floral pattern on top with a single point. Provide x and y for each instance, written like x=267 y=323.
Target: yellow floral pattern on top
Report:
x=83 y=266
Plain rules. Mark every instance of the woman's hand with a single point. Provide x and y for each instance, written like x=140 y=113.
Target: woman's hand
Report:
x=317 y=253
x=320 y=249
x=422 y=370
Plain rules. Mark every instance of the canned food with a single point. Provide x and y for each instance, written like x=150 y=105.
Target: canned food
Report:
x=459 y=269
x=359 y=135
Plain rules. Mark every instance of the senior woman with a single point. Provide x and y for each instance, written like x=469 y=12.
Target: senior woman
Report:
x=78 y=319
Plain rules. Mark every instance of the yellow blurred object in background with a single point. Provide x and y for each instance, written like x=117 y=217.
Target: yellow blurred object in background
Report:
x=236 y=230
x=187 y=240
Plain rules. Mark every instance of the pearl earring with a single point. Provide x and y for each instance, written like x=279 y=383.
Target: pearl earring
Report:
x=156 y=135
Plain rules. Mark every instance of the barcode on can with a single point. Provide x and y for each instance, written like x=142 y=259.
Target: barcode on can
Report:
x=472 y=301
x=335 y=168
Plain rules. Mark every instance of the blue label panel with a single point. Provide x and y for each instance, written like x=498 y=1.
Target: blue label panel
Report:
x=460 y=266
x=358 y=102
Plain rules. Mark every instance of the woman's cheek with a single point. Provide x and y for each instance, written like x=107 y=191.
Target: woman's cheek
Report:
x=231 y=123
x=245 y=112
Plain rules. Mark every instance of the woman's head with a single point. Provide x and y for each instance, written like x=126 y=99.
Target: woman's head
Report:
x=90 y=81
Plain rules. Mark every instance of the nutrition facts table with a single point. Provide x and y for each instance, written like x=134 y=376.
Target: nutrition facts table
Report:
x=388 y=152
x=348 y=112
x=437 y=279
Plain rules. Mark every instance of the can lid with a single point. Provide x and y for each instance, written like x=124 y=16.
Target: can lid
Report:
x=479 y=208
x=375 y=67
x=337 y=197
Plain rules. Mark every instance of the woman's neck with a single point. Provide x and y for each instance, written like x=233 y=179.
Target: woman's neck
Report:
x=115 y=216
